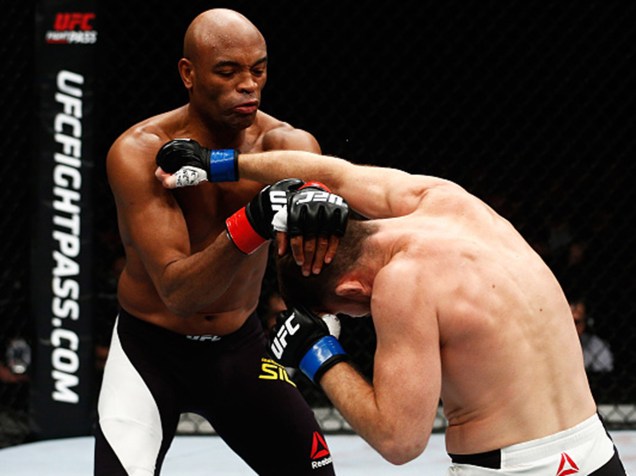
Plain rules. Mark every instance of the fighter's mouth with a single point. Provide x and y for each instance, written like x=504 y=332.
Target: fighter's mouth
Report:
x=247 y=107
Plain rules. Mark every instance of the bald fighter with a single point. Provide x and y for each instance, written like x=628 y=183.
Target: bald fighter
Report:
x=187 y=338
x=464 y=310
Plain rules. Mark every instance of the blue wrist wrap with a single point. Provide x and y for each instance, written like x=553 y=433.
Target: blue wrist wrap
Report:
x=223 y=165
x=319 y=353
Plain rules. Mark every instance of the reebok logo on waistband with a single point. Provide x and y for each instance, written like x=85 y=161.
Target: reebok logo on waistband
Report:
x=567 y=466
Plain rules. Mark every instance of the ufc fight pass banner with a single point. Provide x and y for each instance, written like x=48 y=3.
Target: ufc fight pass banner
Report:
x=61 y=259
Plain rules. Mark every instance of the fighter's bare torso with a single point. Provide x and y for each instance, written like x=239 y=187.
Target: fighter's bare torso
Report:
x=204 y=209
x=495 y=310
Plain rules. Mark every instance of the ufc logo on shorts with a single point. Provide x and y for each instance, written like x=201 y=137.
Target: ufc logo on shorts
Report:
x=278 y=199
x=315 y=196
x=280 y=341
x=205 y=338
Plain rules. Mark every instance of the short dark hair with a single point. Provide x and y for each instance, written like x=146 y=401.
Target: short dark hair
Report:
x=311 y=291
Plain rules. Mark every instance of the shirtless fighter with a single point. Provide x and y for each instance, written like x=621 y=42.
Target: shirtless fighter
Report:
x=187 y=338
x=464 y=310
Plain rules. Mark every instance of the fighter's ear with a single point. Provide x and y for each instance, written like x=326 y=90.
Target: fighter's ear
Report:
x=186 y=71
x=350 y=288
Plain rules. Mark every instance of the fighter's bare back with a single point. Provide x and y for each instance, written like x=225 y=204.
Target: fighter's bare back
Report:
x=497 y=309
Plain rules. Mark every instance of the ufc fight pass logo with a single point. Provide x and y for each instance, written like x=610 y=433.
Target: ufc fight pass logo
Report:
x=279 y=343
x=72 y=28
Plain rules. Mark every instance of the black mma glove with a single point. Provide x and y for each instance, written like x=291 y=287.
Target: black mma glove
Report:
x=191 y=163
x=303 y=340
x=251 y=226
x=313 y=210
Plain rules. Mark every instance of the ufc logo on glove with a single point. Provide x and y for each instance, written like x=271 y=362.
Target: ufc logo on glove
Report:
x=306 y=341
x=280 y=341
x=278 y=199
x=305 y=196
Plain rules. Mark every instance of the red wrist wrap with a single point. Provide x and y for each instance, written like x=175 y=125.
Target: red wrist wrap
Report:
x=242 y=234
x=315 y=183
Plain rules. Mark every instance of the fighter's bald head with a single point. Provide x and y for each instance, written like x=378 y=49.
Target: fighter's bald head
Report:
x=218 y=28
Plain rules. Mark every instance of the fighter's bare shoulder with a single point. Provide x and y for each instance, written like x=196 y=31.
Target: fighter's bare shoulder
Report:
x=440 y=195
x=138 y=145
x=277 y=134
x=131 y=157
x=391 y=292
x=150 y=133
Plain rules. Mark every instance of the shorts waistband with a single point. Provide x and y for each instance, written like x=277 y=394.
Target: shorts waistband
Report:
x=531 y=450
x=130 y=323
x=488 y=459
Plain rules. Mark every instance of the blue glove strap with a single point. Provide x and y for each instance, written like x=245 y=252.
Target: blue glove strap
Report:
x=223 y=165
x=318 y=354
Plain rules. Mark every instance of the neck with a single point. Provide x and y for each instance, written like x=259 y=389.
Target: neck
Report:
x=373 y=257
x=214 y=134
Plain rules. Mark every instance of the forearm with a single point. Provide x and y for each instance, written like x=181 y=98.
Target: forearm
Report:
x=337 y=174
x=375 y=192
x=193 y=283
x=357 y=401
x=271 y=166
x=387 y=414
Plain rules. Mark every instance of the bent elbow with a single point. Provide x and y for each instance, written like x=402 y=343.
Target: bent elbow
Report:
x=402 y=457
x=399 y=452
x=177 y=304
x=175 y=297
x=178 y=310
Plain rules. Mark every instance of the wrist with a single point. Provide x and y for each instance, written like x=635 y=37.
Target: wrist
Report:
x=242 y=233
x=315 y=184
x=323 y=354
x=223 y=165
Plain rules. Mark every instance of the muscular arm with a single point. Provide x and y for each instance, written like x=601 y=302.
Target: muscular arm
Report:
x=396 y=413
x=376 y=192
x=152 y=223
